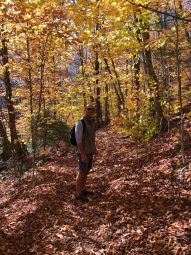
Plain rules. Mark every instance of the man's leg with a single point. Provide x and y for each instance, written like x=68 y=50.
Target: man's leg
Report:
x=80 y=181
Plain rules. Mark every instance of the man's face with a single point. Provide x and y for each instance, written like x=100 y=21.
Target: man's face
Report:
x=89 y=111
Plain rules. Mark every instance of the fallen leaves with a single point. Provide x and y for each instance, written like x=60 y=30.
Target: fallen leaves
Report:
x=50 y=249
x=141 y=205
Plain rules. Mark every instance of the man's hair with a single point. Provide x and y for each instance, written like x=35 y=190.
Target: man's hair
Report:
x=90 y=105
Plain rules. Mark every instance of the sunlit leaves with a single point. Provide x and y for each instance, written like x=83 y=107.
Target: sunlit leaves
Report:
x=45 y=38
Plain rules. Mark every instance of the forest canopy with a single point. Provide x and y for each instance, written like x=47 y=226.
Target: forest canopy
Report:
x=131 y=59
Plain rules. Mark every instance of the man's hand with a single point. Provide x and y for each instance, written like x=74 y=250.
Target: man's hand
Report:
x=83 y=153
x=84 y=157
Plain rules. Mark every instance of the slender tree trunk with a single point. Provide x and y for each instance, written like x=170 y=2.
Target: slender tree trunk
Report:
x=154 y=84
x=137 y=66
x=81 y=55
x=168 y=95
x=40 y=98
x=45 y=131
x=54 y=79
x=117 y=81
x=99 y=119
x=30 y=86
x=106 y=106
x=119 y=99
x=178 y=69
x=166 y=79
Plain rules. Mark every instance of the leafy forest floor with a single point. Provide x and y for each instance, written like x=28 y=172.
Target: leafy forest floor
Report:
x=140 y=206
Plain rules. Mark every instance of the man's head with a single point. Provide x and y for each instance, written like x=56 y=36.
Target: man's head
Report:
x=89 y=110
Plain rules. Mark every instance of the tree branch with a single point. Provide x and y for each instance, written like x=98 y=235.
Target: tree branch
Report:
x=161 y=12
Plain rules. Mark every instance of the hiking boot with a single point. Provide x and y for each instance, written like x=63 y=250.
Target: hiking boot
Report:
x=87 y=192
x=82 y=198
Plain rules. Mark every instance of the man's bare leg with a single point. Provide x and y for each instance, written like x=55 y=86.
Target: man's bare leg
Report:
x=80 y=182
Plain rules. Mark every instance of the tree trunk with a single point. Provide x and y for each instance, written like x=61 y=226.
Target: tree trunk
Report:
x=18 y=150
x=117 y=81
x=5 y=142
x=81 y=56
x=137 y=66
x=119 y=99
x=178 y=69
x=99 y=119
x=154 y=85
x=30 y=86
x=40 y=98
x=106 y=106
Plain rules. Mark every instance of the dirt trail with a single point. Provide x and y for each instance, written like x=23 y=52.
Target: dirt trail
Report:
x=140 y=206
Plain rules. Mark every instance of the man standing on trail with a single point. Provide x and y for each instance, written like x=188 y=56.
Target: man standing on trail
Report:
x=86 y=148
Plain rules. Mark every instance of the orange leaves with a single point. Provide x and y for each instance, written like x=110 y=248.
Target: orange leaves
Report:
x=50 y=249
x=136 y=208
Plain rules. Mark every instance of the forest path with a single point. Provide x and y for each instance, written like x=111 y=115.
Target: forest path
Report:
x=140 y=206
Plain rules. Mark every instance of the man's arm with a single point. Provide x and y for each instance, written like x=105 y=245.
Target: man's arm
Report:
x=79 y=135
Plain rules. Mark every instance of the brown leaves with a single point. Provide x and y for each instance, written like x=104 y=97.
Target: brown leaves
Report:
x=135 y=210
x=50 y=249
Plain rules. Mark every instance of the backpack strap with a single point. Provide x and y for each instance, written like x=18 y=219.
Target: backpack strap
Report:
x=84 y=125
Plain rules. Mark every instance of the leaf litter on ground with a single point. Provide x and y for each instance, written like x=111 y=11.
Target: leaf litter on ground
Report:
x=141 y=203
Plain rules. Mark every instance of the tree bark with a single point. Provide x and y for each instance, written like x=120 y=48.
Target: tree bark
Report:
x=153 y=84
x=137 y=66
x=119 y=99
x=18 y=150
x=29 y=82
x=178 y=70
x=99 y=119
x=81 y=56
x=5 y=142
x=117 y=81
x=106 y=106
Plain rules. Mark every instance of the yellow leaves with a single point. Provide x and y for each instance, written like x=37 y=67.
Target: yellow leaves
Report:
x=118 y=19
x=130 y=105
x=176 y=137
x=188 y=114
x=38 y=13
x=44 y=152
x=6 y=2
x=15 y=141
x=114 y=4
x=27 y=17
x=123 y=149
x=88 y=32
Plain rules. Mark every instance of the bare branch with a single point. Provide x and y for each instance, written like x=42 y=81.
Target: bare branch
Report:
x=175 y=16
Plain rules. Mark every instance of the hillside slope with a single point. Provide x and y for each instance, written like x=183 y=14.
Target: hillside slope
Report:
x=141 y=205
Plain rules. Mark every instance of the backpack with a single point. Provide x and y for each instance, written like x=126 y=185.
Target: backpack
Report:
x=72 y=133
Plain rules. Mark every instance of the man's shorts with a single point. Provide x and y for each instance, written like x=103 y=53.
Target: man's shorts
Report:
x=85 y=166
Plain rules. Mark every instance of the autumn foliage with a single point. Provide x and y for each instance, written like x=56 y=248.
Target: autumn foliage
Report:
x=132 y=60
